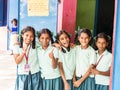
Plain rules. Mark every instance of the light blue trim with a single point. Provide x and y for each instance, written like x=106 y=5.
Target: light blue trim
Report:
x=116 y=70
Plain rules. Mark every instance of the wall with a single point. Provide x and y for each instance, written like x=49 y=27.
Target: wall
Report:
x=39 y=22
x=67 y=16
x=12 y=12
x=18 y=9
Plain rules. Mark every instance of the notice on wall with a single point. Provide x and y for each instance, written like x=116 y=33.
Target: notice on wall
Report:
x=38 y=7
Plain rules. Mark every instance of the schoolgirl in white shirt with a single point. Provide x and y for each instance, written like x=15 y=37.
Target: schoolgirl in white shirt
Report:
x=85 y=57
x=48 y=61
x=25 y=55
x=66 y=60
x=104 y=59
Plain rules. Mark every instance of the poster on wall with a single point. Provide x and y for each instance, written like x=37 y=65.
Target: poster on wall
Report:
x=38 y=7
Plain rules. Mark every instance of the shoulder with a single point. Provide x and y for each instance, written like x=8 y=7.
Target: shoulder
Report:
x=77 y=47
x=16 y=49
x=108 y=54
x=91 y=49
x=17 y=46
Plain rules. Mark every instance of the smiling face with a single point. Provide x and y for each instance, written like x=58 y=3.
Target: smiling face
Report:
x=84 y=40
x=44 y=40
x=101 y=44
x=28 y=37
x=64 y=40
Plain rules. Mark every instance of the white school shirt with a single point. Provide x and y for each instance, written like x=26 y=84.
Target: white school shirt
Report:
x=68 y=62
x=84 y=58
x=45 y=63
x=103 y=65
x=32 y=61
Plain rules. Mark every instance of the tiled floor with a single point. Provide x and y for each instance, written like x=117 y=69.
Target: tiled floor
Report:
x=7 y=71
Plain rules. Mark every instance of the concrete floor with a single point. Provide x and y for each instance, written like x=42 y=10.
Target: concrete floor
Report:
x=7 y=71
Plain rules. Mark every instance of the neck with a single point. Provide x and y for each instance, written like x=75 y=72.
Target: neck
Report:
x=100 y=51
x=84 y=47
x=44 y=47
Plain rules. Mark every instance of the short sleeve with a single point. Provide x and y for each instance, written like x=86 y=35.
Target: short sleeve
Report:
x=110 y=60
x=56 y=53
x=60 y=59
x=16 y=49
x=92 y=55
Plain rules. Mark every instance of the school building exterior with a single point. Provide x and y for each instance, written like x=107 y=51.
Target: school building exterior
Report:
x=69 y=15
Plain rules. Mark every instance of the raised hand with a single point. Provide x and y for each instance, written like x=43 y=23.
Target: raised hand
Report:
x=51 y=55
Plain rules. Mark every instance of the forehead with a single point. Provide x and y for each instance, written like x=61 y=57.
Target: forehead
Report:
x=29 y=32
x=84 y=34
x=101 y=40
x=44 y=35
x=63 y=35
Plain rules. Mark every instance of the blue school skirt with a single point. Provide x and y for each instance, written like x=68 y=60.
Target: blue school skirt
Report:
x=101 y=87
x=29 y=82
x=88 y=84
x=70 y=82
x=52 y=84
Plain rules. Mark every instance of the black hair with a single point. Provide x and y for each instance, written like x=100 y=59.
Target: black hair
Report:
x=46 y=30
x=87 y=31
x=58 y=36
x=26 y=29
x=14 y=20
x=102 y=35
x=106 y=37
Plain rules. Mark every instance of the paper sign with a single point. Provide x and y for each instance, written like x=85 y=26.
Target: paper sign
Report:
x=38 y=7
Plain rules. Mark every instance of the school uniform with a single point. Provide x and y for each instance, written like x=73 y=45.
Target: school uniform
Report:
x=68 y=61
x=51 y=77
x=84 y=58
x=102 y=82
x=28 y=80
x=14 y=36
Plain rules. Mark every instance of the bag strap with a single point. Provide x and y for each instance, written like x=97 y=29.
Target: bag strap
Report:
x=99 y=61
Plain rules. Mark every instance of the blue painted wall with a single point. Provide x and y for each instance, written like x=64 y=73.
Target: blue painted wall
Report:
x=116 y=68
x=39 y=22
x=18 y=9
x=12 y=10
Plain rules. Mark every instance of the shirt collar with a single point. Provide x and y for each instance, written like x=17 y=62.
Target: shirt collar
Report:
x=104 y=53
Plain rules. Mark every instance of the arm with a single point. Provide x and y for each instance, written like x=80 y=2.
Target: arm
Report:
x=8 y=29
x=79 y=82
x=54 y=60
x=18 y=57
x=66 y=85
x=57 y=45
x=106 y=73
x=74 y=76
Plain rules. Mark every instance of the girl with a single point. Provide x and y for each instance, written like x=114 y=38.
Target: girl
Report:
x=14 y=34
x=66 y=60
x=48 y=61
x=25 y=55
x=104 y=59
x=85 y=57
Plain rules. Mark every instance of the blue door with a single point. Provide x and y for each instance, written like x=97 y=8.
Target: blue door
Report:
x=3 y=12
